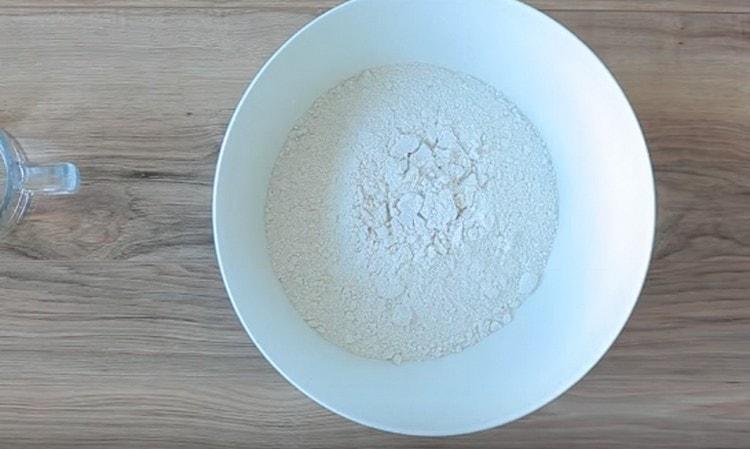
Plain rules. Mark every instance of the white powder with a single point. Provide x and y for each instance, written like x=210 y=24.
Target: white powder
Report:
x=411 y=210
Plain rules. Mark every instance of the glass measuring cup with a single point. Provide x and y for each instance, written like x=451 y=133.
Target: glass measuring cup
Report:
x=20 y=181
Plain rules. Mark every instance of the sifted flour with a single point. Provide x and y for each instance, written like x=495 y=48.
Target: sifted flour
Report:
x=411 y=210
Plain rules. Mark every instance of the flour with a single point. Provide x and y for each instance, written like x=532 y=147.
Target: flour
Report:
x=410 y=212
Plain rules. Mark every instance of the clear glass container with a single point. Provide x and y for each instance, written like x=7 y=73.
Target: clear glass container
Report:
x=20 y=181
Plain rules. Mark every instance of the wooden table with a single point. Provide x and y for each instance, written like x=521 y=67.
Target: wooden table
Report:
x=115 y=330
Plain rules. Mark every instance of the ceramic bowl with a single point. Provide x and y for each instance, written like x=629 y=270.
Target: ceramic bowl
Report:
x=606 y=212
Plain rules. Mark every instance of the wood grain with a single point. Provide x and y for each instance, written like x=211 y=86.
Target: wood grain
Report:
x=114 y=327
x=712 y=6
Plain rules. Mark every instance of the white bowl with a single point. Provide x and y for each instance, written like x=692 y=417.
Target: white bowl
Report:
x=600 y=255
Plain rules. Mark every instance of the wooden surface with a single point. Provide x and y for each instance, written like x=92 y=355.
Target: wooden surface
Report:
x=115 y=330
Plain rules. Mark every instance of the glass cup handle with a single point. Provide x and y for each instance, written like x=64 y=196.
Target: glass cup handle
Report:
x=55 y=179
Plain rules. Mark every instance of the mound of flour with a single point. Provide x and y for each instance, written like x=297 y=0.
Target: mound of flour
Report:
x=411 y=210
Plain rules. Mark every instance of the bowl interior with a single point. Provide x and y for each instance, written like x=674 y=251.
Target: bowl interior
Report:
x=599 y=258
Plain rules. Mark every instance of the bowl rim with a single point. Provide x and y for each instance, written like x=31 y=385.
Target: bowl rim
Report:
x=565 y=384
